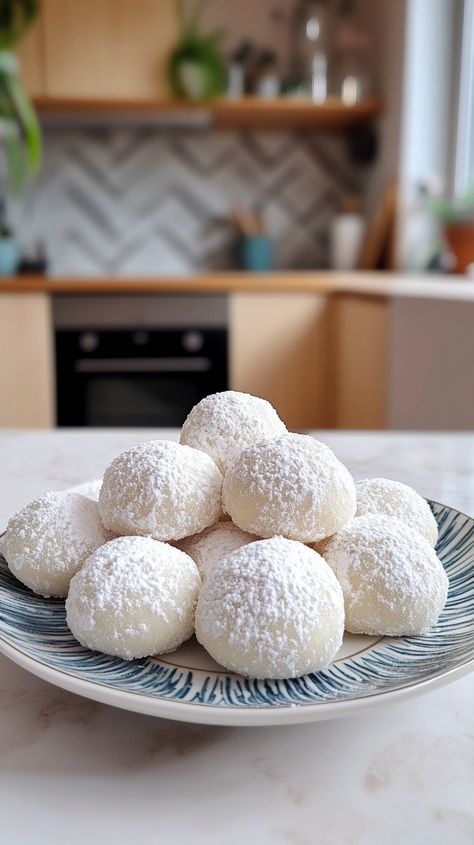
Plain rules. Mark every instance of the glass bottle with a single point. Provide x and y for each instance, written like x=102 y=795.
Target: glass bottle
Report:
x=350 y=76
x=310 y=48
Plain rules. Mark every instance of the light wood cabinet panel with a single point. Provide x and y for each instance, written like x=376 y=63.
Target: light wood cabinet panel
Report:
x=360 y=347
x=108 y=48
x=26 y=361
x=30 y=53
x=278 y=350
x=322 y=361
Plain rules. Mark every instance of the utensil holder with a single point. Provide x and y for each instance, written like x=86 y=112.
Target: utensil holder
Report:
x=255 y=254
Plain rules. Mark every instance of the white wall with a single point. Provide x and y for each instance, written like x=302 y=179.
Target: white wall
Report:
x=429 y=70
x=386 y=24
x=427 y=88
x=415 y=69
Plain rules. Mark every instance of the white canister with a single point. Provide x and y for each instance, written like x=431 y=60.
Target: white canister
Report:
x=346 y=235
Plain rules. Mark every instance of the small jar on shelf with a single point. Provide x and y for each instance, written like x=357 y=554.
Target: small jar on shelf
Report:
x=350 y=78
x=311 y=39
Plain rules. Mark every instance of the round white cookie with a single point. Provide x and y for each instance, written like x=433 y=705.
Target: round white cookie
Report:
x=271 y=609
x=213 y=544
x=291 y=485
x=392 y=581
x=224 y=423
x=47 y=542
x=392 y=498
x=134 y=597
x=161 y=489
x=89 y=488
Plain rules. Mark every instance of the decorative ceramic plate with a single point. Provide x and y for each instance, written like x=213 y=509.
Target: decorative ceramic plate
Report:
x=187 y=685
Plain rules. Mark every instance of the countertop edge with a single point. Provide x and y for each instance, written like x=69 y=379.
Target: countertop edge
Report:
x=381 y=284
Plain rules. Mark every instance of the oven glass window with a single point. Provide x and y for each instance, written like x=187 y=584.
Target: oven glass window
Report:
x=142 y=401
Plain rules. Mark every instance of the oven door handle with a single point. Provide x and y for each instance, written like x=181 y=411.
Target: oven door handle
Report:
x=143 y=365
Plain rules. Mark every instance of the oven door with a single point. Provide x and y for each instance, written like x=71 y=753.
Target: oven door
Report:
x=136 y=377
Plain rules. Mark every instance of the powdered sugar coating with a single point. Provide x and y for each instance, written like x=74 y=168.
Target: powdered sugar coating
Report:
x=161 y=489
x=47 y=542
x=392 y=498
x=271 y=609
x=291 y=485
x=134 y=597
x=223 y=424
x=89 y=488
x=392 y=581
x=213 y=544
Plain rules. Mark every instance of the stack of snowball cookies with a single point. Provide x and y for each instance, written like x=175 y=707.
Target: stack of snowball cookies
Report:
x=256 y=539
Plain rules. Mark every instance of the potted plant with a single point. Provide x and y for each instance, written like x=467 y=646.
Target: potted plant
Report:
x=457 y=216
x=196 y=69
x=20 y=135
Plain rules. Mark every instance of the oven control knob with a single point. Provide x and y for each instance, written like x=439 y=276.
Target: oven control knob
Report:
x=140 y=338
x=88 y=341
x=192 y=341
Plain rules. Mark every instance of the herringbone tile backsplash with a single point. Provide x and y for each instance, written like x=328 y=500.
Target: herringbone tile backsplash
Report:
x=138 y=201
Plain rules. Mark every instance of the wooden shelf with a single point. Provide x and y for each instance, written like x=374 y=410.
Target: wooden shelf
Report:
x=248 y=113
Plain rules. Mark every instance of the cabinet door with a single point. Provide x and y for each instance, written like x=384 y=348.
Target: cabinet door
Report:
x=108 y=48
x=360 y=348
x=279 y=350
x=26 y=361
x=31 y=56
x=431 y=354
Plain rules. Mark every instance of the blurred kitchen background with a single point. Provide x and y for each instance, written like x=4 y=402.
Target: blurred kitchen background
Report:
x=272 y=196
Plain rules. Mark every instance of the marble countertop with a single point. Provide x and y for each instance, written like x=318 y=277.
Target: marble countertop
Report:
x=75 y=771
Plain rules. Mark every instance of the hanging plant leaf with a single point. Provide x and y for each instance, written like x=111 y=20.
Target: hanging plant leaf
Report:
x=28 y=122
x=14 y=155
x=16 y=16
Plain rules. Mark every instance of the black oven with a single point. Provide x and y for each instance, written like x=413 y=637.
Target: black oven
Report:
x=149 y=372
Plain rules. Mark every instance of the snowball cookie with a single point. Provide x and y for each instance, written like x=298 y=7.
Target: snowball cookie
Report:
x=89 y=488
x=134 y=597
x=392 y=581
x=47 y=542
x=213 y=544
x=291 y=485
x=271 y=609
x=161 y=489
x=392 y=498
x=225 y=423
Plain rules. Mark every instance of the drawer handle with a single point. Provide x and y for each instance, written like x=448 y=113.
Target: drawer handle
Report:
x=142 y=365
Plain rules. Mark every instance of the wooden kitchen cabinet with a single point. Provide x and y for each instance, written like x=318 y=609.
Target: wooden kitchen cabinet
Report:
x=360 y=354
x=30 y=53
x=26 y=361
x=322 y=361
x=100 y=49
x=279 y=349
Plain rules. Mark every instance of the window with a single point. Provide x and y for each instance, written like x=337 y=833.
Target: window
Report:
x=464 y=164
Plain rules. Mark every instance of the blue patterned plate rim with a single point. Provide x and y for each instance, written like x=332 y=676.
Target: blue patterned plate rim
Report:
x=33 y=634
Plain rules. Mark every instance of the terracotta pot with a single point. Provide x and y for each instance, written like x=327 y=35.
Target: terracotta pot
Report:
x=460 y=237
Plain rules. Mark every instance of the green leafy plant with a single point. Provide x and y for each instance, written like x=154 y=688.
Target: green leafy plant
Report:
x=197 y=70
x=20 y=134
x=458 y=209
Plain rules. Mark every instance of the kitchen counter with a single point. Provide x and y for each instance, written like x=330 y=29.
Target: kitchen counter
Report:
x=321 y=282
x=75 y=771
x=321 y=316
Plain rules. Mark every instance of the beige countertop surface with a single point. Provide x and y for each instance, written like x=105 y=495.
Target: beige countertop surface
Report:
x=389 y=284
x=75 y=771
